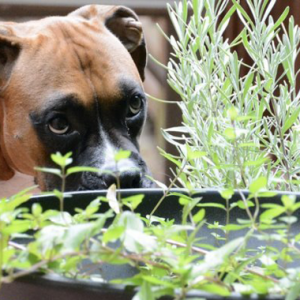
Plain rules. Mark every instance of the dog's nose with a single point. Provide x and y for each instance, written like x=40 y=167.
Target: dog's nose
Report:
x=125 y=180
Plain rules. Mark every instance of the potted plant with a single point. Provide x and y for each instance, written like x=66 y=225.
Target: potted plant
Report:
x=239 y=135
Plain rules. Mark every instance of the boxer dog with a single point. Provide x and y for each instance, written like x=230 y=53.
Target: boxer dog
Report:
x=73 y=83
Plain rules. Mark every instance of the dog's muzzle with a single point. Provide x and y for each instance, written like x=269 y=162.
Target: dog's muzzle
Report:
x=125 y=175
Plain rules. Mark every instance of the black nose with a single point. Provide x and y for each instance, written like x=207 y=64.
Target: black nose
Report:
x=124 y=180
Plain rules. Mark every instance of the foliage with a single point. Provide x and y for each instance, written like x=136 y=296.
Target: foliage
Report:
x=236 y=128
x=170 y=259
x=231 y=126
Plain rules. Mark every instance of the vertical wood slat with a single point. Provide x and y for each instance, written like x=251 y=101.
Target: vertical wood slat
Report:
x=236 y=26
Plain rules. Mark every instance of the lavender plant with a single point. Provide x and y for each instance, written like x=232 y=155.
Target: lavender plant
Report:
x=235 y=128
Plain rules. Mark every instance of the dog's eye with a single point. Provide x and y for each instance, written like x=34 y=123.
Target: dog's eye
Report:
x=59 y=125
x=135 y=104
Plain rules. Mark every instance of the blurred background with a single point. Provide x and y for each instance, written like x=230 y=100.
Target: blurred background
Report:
x=151 y=13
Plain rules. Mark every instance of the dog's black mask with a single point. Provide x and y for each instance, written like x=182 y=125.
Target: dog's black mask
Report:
x=94 y=135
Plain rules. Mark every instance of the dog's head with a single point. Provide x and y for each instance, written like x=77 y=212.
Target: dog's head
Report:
x=73 y=83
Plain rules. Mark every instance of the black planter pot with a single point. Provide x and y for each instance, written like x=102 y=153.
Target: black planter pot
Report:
x=49 y=287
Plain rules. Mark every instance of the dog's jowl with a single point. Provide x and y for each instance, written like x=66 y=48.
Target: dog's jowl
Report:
x=73 y=83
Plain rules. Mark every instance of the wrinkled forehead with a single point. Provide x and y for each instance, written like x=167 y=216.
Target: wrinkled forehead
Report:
x=74 y=56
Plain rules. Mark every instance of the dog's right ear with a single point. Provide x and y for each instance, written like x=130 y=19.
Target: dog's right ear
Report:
x=125 y=25
x=9 y=50
x=10 y=47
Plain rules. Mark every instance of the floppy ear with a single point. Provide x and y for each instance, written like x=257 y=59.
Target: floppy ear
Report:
x=124 y=24
x=9 y=50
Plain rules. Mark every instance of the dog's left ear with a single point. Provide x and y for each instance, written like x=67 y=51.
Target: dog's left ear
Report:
x=124 y=24
x=10 y=47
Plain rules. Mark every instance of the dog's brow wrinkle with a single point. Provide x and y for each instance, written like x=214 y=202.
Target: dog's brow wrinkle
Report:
x=62 y=102
x=84 y=69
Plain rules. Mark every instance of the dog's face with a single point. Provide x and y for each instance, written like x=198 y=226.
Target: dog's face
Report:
x=73 y=83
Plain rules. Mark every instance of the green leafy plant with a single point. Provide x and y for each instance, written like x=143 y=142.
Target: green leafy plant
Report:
x=170 y=259
x=235 y=128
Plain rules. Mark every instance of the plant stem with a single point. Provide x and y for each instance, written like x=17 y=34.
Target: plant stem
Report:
x=247 y=207
x=37 y=266
x=204 y=252
x=166 y=192
x=227 y=219
x=63 y=188
x=283 y=146
x=138 y=258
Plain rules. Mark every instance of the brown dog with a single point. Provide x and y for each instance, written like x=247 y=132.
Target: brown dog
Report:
x=73 y=83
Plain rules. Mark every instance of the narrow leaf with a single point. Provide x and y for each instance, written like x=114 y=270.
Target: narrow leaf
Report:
x=112 y=198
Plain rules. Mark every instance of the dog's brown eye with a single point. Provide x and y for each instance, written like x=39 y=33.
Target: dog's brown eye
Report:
x=135 y=104
x=59 y=125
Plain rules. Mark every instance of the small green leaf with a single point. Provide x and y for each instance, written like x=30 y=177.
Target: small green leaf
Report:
x=170 y=158
x=17 y=226
x=294 y=292
x=113 y=233
x=159 y=184
x=280 y=20
x=144 y=293
x=291 y=120
x=212 y=204
x=266 y=194
x=158 y=282
x=58 y=194
x=234 y=227
x=82 y=169
x=295 y=207
x=199 y=216
x=289 y=219
x=227 y=194
x=196 y=154
x=248 y=145
x=75 y=235
x=270 y=214
x=242 y=205
x=226 y=18
x=111 y=196
x=133 y=202
x=215 y=289
x=63 y=218
x=248 y=83
x=13 y=203
x=257 y=162
x=217 y=257
x=288 y=201
x=36 y=209
x=243 y=13
x=230 y=134
x=184 y=201
x=122 y=154
x=62 y=160
x=233 y=113
x=50 y=171
x=259 y=184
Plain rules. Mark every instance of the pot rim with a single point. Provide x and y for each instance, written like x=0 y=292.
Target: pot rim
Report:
x=206 y=191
